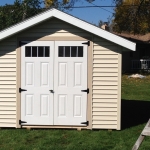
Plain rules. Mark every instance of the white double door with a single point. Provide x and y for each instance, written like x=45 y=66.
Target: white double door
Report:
x=53 y=75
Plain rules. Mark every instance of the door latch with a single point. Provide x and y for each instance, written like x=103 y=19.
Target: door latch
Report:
x=85 y=91
x=51 y=91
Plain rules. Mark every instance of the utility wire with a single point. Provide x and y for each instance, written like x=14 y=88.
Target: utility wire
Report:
x=101 y=8
x=105 y=10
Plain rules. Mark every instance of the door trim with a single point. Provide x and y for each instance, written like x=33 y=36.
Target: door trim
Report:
x=89 y=76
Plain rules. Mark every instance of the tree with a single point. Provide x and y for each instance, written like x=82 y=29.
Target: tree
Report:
x=60 y=4
x=31 y=8
x=9 y=15
x=20 y=10
x=132 y=16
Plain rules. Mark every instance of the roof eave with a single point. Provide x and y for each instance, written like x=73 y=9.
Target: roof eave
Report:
x=69 y=19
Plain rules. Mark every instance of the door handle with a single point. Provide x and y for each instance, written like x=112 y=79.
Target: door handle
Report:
x=51 y=91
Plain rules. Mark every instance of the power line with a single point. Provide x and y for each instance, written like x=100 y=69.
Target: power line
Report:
x=102 y=8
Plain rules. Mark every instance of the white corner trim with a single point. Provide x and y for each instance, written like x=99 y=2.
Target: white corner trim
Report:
x=69 y=19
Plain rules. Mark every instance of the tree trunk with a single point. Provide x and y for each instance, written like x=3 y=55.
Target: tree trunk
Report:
x=24 y=10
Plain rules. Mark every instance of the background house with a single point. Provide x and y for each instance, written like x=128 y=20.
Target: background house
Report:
x=140 y=59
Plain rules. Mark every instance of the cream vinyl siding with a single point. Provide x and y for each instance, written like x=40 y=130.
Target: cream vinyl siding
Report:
x=105 y=85
x=8 y=83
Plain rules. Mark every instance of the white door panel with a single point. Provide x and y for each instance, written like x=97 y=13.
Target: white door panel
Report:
x=37 y=79
x=70 y=104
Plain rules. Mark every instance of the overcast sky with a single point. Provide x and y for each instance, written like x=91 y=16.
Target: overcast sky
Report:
x=92 y=15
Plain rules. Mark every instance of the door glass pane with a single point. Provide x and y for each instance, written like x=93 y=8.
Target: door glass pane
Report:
x=61 y=51
x=47 y=51
x=67 y=51
x=41 y=51
x=74 y=51
x=34 y=51
x=80 y=51
x=27 y=51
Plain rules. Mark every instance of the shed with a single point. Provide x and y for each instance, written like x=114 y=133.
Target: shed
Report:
x=57 y=71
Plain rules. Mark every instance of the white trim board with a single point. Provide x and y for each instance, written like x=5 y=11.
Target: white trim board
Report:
x=71 y=20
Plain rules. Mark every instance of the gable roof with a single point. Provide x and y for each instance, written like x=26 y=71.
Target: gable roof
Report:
x=71 y=20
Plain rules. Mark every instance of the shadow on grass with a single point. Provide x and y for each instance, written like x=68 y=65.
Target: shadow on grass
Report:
x=134 y=112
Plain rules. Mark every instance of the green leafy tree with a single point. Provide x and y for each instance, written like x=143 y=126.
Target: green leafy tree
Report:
x=10 y=14
x=132 y=16
x=31 y=8
x=20 y=10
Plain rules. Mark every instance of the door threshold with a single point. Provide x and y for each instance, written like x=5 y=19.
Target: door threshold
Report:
x=54 y=127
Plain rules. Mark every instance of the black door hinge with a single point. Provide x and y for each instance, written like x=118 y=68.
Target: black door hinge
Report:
x=20 y=122
x=85 y=91
x=87 y=43
x=86 y=123
x=21 y=90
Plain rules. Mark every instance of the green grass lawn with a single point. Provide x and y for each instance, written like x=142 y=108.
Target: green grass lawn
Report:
x=22 y=139
x=135 y=113
x=136 y=89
